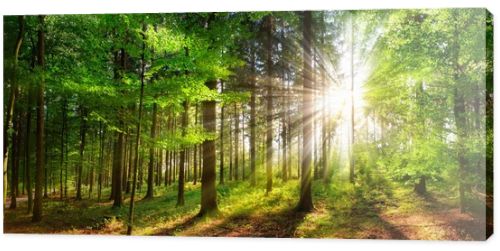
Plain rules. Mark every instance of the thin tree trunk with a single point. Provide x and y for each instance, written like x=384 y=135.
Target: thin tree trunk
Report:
x=195 y=149
x=149 y=192
x=237 y=142
x=83 y=132
x=10 y=106
x=138 y=136
x=27 y=151
x=221 y=167
x=351 y=156
x=183 y=157
x=61 y=163
x=16 y=141
x=243 y=177
x=252 y=121
x=101 y=161
x=269 y=111
x=231 y=175
x=130 y=165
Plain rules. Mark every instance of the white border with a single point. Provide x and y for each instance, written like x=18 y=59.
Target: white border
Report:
x=88 y=243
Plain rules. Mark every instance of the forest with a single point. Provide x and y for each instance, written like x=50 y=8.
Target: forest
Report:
x=373 y=124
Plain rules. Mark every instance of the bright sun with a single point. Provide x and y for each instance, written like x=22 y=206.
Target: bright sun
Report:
x=338 y=100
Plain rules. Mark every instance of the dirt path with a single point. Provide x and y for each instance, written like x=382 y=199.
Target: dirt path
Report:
x=433 y=219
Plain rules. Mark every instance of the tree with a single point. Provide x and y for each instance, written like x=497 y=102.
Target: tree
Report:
x=208 y=192
x=183 y=161
x=138 y=135
x=149 y=192
x=269 y=25
x=83 y=132
x=351 y=156
x=305 y=202
x=221 y=166
x=40 y=124
x=252 y=120
x=12 y=99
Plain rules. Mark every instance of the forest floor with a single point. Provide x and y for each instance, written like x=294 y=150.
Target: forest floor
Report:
x=341 y=211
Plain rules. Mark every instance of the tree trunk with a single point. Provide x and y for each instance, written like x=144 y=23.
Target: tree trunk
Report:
x=183 y=157
x=269 y=111
x=101 y=161
x=231 y=175
x=149 y=192
x=221 y=167
x=117 y=170
x=83 y=132
x=460 y=122
x=243 y=177
x=324 y=132
x=305 y=203
x=138 y=136
x=10 y=106
x=27 y=151
x=351 y=155
x=126 y=157
x=195 y=150
x=16 y=148
x=284 y=147
x=237 y=142
x=130 y=165
x=459 y=111
x=208 y=191
x=61 y=162
x=252 y=122
x=420 y=187
x=40 y=126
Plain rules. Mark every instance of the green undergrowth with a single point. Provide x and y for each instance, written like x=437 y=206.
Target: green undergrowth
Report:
x=342 y=210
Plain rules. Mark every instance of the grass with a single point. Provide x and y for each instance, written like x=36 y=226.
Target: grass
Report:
x=342 y=210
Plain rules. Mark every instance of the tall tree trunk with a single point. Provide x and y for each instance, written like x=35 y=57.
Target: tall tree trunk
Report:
x=138 y=135
x=351 y=155
x=61 y=162
x=91 y=173
x=40 y=125
x=83 y=132
x=284 y=138
x=183 y=157
x=237 y=142
x=289 y=134
x=195 y=150
x=324 y=132
x=243 y=177
x=305 y=203
x=208 y=191
x=231 y=175
x=269 y=111
x=101 y=161
x=66 y=138
x=126 y=157
x=10 y=106
x=252 y=121
x=460 y=120
x=221 y=166
x=16 y=149
x=27 y=151
x=149 y=192
x=130 y=165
